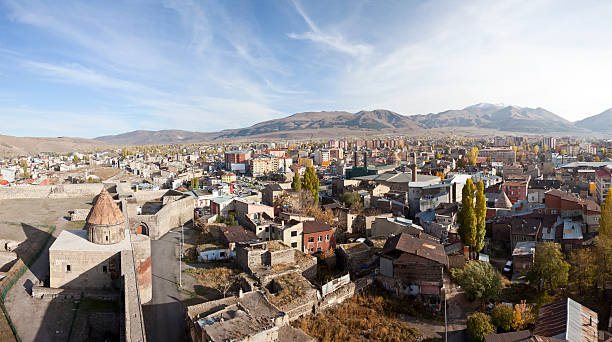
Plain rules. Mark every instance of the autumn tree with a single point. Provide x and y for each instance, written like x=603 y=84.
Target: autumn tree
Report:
x=24 y=166
x=603 y=244
x=296 y=184
x=521 y=316
x=583 y=273
x=479 y=325
x=467 y=215
x=549 y=270
x=472 y=155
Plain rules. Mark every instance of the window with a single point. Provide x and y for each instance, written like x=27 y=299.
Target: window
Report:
x=319 y=238
x=294 y=244
x=311 y=249
x=318 y=249
x=222 y=254
x=67 y=268
x=326 y=237
x=294 y=233
x=104 y=269
x=106 y=237
x=311 y=239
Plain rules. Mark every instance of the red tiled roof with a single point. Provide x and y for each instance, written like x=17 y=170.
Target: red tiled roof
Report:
x=315 y=227
x=603 y=173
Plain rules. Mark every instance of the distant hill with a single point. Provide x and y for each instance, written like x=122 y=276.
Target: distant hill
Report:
x=10 y=146
x=498 y=117
x=601 y=122
x=482 y=117
x=169 y=136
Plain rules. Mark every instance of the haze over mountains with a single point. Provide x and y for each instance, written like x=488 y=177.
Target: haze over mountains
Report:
x=482 y=118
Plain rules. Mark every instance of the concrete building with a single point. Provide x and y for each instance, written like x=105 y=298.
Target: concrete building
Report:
x=602 y=181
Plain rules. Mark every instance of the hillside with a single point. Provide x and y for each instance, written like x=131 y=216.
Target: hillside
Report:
x=482 y=117
x=498 y=117
x=10 y=146
x=601 y=122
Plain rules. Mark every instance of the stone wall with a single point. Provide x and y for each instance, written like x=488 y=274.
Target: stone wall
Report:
x=42 y=292
x=50 y=191
x=132 y=323
x=286 y=256
x=92 y=270
x=141 y=245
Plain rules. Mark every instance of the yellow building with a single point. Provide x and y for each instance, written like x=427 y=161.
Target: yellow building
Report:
x=228 y=177
x=305 y=162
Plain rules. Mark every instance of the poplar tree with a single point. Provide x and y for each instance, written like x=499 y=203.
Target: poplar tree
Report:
x=467 y=215
x=480 y=210
x=311 y=183
x=296 y=185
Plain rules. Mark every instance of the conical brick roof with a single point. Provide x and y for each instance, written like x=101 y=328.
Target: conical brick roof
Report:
x=105 y=211
x=502 y=201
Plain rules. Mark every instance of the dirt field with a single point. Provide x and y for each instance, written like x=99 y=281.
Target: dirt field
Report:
x=28 y=220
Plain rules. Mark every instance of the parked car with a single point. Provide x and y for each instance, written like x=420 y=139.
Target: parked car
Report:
x=508 y=267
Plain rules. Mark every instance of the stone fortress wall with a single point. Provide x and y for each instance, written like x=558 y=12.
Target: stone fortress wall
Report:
x=50 y=191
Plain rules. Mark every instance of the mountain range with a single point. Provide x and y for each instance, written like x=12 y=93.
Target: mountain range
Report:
x=479 y=119
x=483 y=118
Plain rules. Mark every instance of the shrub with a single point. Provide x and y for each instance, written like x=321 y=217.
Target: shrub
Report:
x=479 y=325
x=501 y=317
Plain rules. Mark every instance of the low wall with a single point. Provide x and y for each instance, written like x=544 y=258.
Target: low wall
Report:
x=50 y=191
x=42 y=292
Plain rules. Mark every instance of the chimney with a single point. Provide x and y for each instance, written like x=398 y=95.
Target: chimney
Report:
x=414 y=172
x=414 y=158
x=365 y=159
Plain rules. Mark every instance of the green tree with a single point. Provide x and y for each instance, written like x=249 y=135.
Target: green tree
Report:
x=75 y=159
x=549 y=270
x=479 y=325
x=296 y=185
x=196 y=184
x=472 y=155
x=311 y=183
x=480 y=210
x=480 y=280
x=502 y=316
x=605 y=221
x=350 y=198
x=467 y=215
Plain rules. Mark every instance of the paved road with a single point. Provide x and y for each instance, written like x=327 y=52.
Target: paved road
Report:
x=164 y=315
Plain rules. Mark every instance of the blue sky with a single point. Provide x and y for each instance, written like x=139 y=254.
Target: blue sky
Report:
x=90 y=68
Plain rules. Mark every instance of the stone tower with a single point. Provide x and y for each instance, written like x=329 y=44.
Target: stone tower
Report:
x=105 y=223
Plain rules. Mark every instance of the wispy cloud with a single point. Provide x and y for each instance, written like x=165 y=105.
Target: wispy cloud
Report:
x=334 y=41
